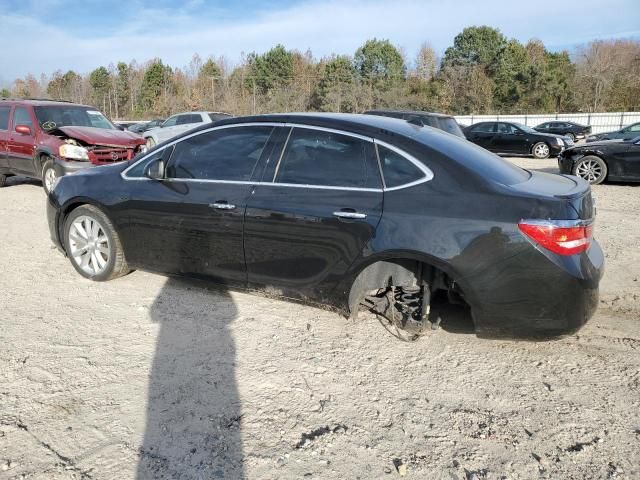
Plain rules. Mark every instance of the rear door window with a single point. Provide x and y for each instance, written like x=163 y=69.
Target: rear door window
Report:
x=484 y=128
x=4 y=118
x=322 y=158
x=228 y=154
x=397 y=170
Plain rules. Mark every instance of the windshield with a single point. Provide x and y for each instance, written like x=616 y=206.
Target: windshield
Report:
x=50 y=117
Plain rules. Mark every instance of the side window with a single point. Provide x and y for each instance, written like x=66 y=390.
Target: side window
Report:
x=484 y=128
x=635 y=128
x=4 y=118
x=396 y=169
x=138 y=170
x=21 y=117
x=188 y=118
x=316 y=157
x=225 y=154
x=545 y=126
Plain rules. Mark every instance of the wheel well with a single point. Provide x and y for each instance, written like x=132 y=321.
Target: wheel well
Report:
x=63 y=217
x=397 y=272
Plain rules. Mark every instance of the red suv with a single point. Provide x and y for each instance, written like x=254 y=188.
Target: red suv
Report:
x=44 y=139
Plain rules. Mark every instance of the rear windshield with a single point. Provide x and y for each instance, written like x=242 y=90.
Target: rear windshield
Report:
x=449 y=125
x=50 y=117
x=486 y=164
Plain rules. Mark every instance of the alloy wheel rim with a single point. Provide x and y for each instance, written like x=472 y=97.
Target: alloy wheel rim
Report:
x=589 y=170
x=89 y=245
x=542 y=150
x=49 y=178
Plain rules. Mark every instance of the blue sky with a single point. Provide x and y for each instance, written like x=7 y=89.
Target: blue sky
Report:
x=41 y=36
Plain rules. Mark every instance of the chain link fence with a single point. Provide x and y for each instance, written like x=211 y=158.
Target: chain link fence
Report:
x=600 y=122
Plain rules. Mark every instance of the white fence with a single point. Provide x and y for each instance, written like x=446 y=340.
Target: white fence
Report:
x=600 y=122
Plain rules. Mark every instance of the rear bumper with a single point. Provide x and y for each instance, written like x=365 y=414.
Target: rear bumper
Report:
x=537 y=294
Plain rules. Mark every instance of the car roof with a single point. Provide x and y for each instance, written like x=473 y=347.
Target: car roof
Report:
x=42 y=102
x=404 y=112
x=368 y=125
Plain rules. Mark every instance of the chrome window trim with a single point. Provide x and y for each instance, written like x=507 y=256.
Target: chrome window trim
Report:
x=428 y=174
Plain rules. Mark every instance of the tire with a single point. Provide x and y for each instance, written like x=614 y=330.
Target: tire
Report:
x=150 y=143
x=88 y=229
x=571 y=136
x=49 y=174
x=540 y=150
x=3 y=180
x=592 y=169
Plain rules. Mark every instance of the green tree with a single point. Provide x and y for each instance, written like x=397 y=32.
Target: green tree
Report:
x=5 y=93
x=271 y=70
x=475 y=46
x=100 y=81
x=511 y=76
x=379 y=60
x=156 y=83
x=334 y=92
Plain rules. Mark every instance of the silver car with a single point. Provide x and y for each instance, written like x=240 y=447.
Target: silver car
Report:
x=179 y=123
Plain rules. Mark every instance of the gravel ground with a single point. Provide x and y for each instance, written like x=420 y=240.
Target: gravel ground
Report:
x=149 y=377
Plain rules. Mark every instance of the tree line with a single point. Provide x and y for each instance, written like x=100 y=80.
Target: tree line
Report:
x=483 y=72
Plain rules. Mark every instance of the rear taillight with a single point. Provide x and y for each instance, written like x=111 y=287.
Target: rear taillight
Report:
x=564 y=237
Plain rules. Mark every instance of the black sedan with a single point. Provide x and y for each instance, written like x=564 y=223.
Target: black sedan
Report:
x=515 y=138
x=617 y=160
x=572 y=130
x=625 y=133
x=144 y=126
x=348 y=211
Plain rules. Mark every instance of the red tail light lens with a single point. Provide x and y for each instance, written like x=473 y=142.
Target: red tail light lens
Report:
x=561 y=237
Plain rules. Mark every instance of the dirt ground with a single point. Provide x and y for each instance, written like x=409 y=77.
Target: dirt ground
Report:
x=148 y=377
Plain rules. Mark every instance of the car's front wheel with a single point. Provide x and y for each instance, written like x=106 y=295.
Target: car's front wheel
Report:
x=540 y=150
x=571 y=136
x=93 y=245
x=592 y=169
x=49 y=175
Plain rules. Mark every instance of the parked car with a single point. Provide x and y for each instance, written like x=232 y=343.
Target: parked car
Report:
x=293 y=203
x=44 y=139
x=429 y=119
x=515 y=138
x=625 y=133
x=617 y=160
x=124 y=124
x=180 y=123
x=141 y=127
x=572 y=130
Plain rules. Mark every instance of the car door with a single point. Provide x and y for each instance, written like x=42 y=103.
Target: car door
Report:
x=543 y=128
x=508 y=139
x=631 y=160
x=5 y=110
x=20 y=146
x=191 y=222
x=482 y=134
x=314 y=213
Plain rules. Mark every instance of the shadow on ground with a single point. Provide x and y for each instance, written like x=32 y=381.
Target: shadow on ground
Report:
x=193 y=411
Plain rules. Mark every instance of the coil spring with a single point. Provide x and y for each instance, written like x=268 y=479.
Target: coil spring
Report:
x=408 y=300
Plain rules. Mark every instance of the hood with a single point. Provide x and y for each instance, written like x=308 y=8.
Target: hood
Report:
x=102 y=136
x=598 y=143
x=552 y=135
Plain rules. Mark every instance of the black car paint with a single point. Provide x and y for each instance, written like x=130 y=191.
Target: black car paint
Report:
x=462 y=223
x=446 y=123
x=520 y=143
x=621 y=156
x=627 y=132
x=559 y=127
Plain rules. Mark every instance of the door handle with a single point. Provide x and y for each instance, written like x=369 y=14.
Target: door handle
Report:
x=222 y=206
x=343 y=214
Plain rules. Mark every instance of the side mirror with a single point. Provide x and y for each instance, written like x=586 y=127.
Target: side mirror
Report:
x=155 y=169
x=23 y=129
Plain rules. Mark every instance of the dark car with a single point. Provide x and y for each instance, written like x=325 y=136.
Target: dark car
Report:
x=44 y=139
x=625 y=133
x=436 y=120
x=142 y=127
x=617 y=160
x=343 y=210
x=515 y=138
x=572 y=130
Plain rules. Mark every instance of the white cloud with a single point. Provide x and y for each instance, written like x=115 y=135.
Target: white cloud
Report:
x=326 y=27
